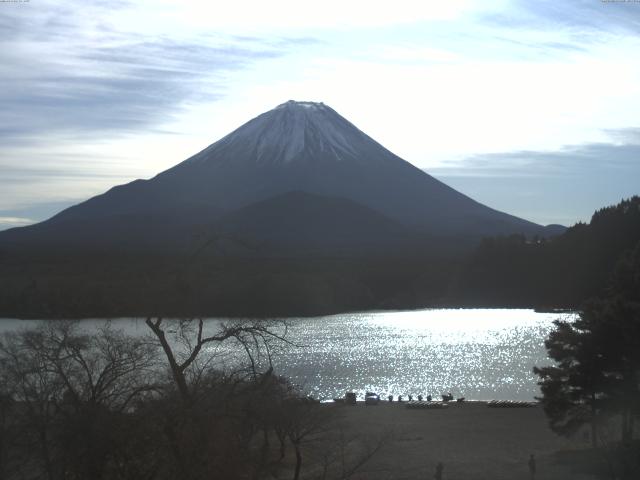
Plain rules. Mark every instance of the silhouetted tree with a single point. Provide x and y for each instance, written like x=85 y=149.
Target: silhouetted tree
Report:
x=251 y=337
x=78 y=404
x=597 y=371
x=70 y=392
x=218 y=414
x=572 y=389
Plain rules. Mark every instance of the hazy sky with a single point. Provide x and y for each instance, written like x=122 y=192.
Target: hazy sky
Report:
x=528 y=106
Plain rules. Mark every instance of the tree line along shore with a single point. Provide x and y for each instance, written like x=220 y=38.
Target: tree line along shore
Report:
x=514 y=271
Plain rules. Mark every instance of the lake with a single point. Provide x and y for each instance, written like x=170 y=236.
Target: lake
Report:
x=480 y=354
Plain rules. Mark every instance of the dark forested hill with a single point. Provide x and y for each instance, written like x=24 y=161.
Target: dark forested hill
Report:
x=230 y=277
x=560 y=272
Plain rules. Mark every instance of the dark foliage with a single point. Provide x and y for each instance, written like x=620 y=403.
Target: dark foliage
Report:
x=561 y=272
x=77 y=406
x=64 y=285
x=228 y=276
x=596 y=377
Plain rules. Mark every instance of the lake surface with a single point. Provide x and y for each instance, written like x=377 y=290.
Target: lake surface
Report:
x=480 y=354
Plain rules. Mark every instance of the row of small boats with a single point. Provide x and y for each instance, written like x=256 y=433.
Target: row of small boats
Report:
x=491 y=404
x=373 y=399
x=510 y=404
x=427 y=405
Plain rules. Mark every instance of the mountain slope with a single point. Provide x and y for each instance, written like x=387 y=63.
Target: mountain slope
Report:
x=298 y=146
x=303 y=222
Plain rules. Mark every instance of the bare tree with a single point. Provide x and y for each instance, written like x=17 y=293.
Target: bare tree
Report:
x=218 y=369
x=71 y=391
x=254 y=338
x=304 y=421
x=345 y=456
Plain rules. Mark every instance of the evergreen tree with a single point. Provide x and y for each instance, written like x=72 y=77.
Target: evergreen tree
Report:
x=597 y=371
x=573 y=389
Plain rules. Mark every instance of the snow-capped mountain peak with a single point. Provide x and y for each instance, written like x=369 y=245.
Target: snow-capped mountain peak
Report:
x=296 y=147
x=296 y=104
x=292 y=131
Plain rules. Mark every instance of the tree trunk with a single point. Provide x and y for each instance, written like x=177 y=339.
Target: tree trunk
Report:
x=176 y=371
x=296 y=474
x=174 y=447
x=594 y=428
x=264 y=455
x=281 y=439
x=46 y=456
x=2 y=456
x=626 y=426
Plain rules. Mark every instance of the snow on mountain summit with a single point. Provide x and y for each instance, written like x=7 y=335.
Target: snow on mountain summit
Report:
x=291 y=131
x=294 y=104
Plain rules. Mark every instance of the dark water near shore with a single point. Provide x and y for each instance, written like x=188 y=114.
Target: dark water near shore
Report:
x=480 y=354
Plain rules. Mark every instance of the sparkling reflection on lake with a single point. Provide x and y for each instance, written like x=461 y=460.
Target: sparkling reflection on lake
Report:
x=480 y=354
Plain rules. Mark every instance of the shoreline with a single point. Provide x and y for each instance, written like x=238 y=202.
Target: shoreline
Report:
x=404 y=403
x=294 y=315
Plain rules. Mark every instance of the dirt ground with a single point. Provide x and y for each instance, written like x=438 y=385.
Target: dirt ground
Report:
x=472 y=440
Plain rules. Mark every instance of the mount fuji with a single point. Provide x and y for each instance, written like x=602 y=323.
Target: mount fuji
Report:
x=317 y=177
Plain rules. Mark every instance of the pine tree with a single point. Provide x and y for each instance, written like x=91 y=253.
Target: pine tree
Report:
x=597 y=371
x=573 y=389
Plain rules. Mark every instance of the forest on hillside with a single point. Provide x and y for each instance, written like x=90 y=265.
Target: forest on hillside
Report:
x=511 y=271
x=561 y=272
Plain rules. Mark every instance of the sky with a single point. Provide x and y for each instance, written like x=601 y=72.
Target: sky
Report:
x=530 y=107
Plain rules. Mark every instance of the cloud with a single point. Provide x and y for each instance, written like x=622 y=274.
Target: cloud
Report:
x=67 y=71
x=255 y=15
x=33 y=175
x=594 y=158
x=10 y=222
x=561 y=186
x=581 y=16
x=33 y=213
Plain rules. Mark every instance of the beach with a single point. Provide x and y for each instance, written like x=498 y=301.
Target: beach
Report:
x=470 y=439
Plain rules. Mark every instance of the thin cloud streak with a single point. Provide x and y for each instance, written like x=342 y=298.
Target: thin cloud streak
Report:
x=106 y=82
x=10 y=222
x=583 y=17
x=562 y=186
x=595 y=158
